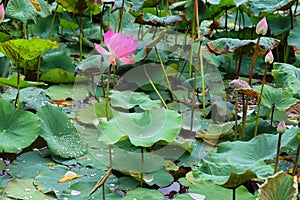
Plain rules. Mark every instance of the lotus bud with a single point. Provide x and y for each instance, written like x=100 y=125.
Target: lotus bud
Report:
x=262 y=27
x=1 y=12
x=281 y=127
x=239 y=84
x=269 y=58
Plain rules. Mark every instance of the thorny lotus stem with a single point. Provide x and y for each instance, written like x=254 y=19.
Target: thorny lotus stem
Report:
x=52 y=22
x=165 y=73
x=101 y=182
x=254 y=59
x=259 y=99
x=277 y=154
x=236 y=96
x=121 y=16
x=154 y=88
x=245 y=106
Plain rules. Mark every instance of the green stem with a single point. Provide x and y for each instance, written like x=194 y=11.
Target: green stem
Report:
x=165 y=73
x=155 y=89
x=107 y=93
x=52 y=22
x=38 y=69
x=259 y=99
x=17 y=105
x=295 y=169
x=202 y=80
x=254 y=59
x=236 y=93
x=245 y=106
x=272 y=113
x=277 y=154
x=121 y=16
x=143 y=166
x=80 y=37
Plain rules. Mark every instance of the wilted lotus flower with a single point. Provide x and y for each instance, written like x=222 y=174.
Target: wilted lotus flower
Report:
x=239 y=84
x=1 y=12
x=269 y=58
x=262 y=27
x=120 y=46
x=281 y=127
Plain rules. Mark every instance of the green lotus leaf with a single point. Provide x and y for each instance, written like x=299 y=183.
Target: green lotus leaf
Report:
x=229 y=45
x=61 y=136
x=215 y=130
x=63 y=92
x=21 y=49
x=282 y=99
x=158 y=21
x=21 y=10
x=143 y=193
x=18 y=128
x=143 y=129
x=287 y=76
x=77 y=6
x=294 y=40
x=28 y=165
x=129 y=99
x=236 y=162
x=279 y=186
x=259 y=6
x=24 y=189
x=13 y=82
x=57 y=75
x=209 y=192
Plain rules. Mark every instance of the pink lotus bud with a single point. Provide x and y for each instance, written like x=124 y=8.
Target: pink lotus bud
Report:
x=262 y=27
x=269 y=58
x=1 y=12
x=239 y=84
x=281 y=127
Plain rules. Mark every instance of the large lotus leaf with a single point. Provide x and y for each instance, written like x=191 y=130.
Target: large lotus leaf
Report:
x=21 y=10
x=217 y=10
x=18 y=128
x=258 y=6
x=158 y=21
x=161 y=178
x=294 y=40
x=236 y=162
x=28 y=165
x=57 y=75
x=143 y=129
x=5 y=37
x=61 y=136
x=63 y=91
x=57 y=59
x=22 y=49
x=279 y=24
x=13 y=82
x=77 y=6
x=229 y=45
x=24 y=189
x=93 y=111
x=209 y=191
x=79 y=191
x=279 y=186
x=287 y=76
x=215 y=130
x=129 y=99
x=282 y=99
x=142 y=194
x=128 y=161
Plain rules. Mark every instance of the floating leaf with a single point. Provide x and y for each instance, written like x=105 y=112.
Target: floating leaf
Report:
x=279 y=186
x=129 y=99
x=61 y=136
x=229 y=45
x=18 y=128
x=13 y=82
x=143 y=129
x=24 y=189
x=58 y=75
x=63 y=92
x=143 y=193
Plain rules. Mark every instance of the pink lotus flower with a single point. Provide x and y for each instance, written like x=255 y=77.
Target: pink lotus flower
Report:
x=269 y=58
x=120 y=46
x=262 y=27
x=1 y=12
x=281 y=127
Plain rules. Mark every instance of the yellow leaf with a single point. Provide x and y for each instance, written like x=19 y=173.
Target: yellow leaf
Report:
x=69 y=176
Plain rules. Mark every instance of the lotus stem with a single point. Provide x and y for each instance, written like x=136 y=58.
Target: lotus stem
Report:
x=272 y=113
x=295 y=169
x=52 y=22
x=143 y=166
x=260 y=98
x=236 y=96
x=165 y=73
x=121 y=16
x=277 y=154
x=38 y=69
x=233 y=194
x=17 y=103
x=155 y=89
x=254 y=59
x=202 y=80
x=107 y=92
x=80 y=36
x=245 y=106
